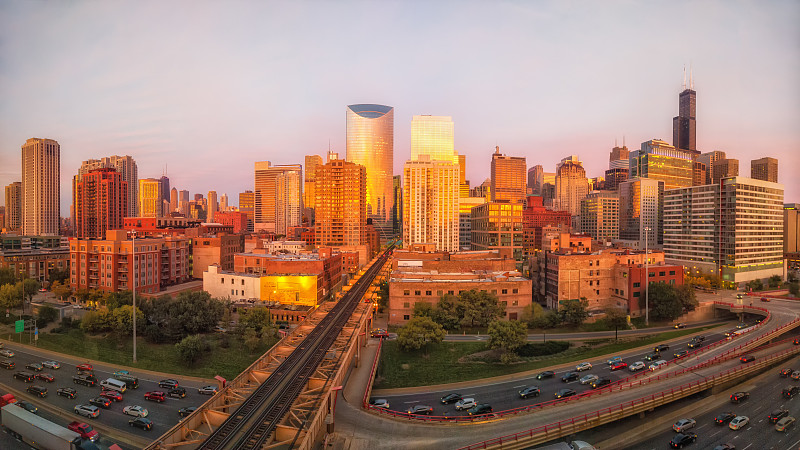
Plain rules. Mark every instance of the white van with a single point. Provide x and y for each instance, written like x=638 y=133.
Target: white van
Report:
x=114 y=385
x=655 y=366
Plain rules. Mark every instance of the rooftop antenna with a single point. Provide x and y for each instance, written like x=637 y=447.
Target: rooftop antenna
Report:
x=691 y=81
x=623 y=140
x=684 y=77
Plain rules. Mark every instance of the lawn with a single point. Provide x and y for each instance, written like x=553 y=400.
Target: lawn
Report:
x=226 y=362
x=441 y=362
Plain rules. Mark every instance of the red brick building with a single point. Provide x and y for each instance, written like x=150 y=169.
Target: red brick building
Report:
x=535 y=217
x=101 y=201
x=323 y=261
x=235 y=219
x=214 y=249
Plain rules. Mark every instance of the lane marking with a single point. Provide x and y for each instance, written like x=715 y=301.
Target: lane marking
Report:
x=521 y=385
x=718 y=432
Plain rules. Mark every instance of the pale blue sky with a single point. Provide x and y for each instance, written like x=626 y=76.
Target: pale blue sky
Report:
x=207 y=88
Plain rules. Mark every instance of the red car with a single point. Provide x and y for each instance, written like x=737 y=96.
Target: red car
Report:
x=747 y=358
x=85 y=367
x=796 y=341
x=156 y=396
x=764 y=299
x=45 y=377
x=112 y=395
x=619 y=365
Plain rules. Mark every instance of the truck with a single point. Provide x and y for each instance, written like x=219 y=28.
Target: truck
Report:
x=39 y=432
x=85 y=430
x=7 y=399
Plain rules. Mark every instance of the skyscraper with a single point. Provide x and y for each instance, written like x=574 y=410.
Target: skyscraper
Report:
x=164 y=180
x=126 y=166
x=397 y=207
x=247 y=206
x=725 y=168
x=765 y=169
x=309 y=192
x=463 y=183
x=370 y=143
x=571 y=185
x=150 y=197
x=641 y=212
x=41 y=191
x=183 y=203
x=14 y=206
x=288 y=200
x=173 y=200
x=213 y=207
x=223 y=202
x=341 y=212
x=509 y=182
x=431 y=184
x=265 y=194
x=535 y=181
x=600 y=215
x=709 y=159
x=660 y=161
x=618 y=158
x=684 y=126
x=101 y=201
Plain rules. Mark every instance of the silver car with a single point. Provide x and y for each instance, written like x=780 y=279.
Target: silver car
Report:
x=589 y=379
x=683 y=425
x=51 y=364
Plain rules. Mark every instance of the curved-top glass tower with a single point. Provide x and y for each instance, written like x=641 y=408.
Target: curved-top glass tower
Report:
x=370 y=142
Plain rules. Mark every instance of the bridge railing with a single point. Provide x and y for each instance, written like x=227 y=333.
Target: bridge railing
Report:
x=373 y=370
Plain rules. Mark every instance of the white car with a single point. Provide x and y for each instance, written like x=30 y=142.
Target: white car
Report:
x=683 y=425
x=657 y=365
x=87 y=410
x=7 y=353
x=638 y=365
x=739 y=422
x=583 y=366
x=589 y=379
x=465 y=403
x=380 y=403
x=207 y=390
x=136 y=411
x=51 y=364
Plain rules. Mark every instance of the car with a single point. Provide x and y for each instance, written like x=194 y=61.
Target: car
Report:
x=737 y=397
x=583 y=366
x=85 y=367
x=51 y=365
x=155 y=396
x=652 y=357
x=570 y=376
x=450 y=398
x=120 y=372
x=483 y=408
x=379 y=333
x=178 y=392
x=785 y=423
x=30 y=407
x=6 y=364
x=764 y=299
x=795 y=375
x=545 y=374
x=45 y=377
x=614 y=360
x=219 y=329
x=680 y=325
x=683 y=425
x=589 y=379
x=637 y=366
x=183 y=412
x=796 y=341
x=420 y=409
x=67 y=392
x=565 y=393
x=208 y=390
x=40 y=391
x=86 y=380
x=785 y=372
x=24 y=376
x=168 y=383
x=657 y=365
x=681 y=354
x=790 y=392
x=747 y=358
x=697 y=341
x=739 y=296
x=379 y=403
x=730 y=333
x=35 y=367
x=101 y=402
x=141 y=422
x=111 y=395
x=7 y=353
x=741 y=326
x=465 y=403
x=530 y=391
x=135 y=410
x=724 y=418
x=87 y=410
x=601 y=382
x=725 y=447
x=619 y=365
x=739 y=422
x=681 y=439
x=777 y=415
x=661 y=348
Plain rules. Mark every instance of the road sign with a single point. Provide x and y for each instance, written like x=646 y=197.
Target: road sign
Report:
x=36 y=330
x=19 y=326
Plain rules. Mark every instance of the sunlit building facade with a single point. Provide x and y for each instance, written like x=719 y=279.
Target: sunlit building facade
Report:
x=309 y=192
x=266 y=196
x=13 y=206
x=41 y=191
x=288 y=201
x=658 y=160
x=433 y=136
x=370 y=143
x=764 y=169
x=571 y=185
x=247 y=206
x=150 y=198
x=509 y=183
x=600 y=215
x=341 y=212
x=497 y=225
x=101 y=201
x=641 y=213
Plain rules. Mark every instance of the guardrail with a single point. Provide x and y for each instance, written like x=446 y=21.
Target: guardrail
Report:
x=572 y=425
x=368 y=391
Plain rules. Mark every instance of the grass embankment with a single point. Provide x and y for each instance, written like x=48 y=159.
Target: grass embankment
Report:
x=441 y=363
x=220 y=360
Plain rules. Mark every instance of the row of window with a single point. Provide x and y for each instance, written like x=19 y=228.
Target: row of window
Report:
x=452 y=292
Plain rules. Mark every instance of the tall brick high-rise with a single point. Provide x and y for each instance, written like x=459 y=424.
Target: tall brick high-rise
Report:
x=509 y=181
x=41 y=186
x=267 y=196
x=341 y=211
x=684 y=125
x=14 y=206
x=101 y=201
x=765 y=169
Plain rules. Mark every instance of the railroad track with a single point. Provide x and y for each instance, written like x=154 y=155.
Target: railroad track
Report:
x=253 y=422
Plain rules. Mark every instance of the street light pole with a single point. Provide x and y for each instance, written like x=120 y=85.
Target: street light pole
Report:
x=135 y=278
x=646 y=279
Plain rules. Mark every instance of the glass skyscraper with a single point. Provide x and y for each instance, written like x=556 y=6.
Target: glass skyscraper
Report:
x=370 y=143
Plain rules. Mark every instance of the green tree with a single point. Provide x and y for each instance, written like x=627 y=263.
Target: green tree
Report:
x=45 y=315
x=29 y=288
x=551 y=319
x=665 y=302
x=448 y=312
x=423 y=309
x=383 y=295
x=7 y=276
x=794 y=288
x=256 y=318
x=61 y=290
x=687 y=297
x=187 y=314
x=251 y=340
x=10 y=295
x=616 y=318
x=60 y=275
x=418 y=333
x=775 y=281
x=121 y=320
x=480 y=308
x=190 y=348
x=508 y=336
x=113 y=300
x=96 y=321
x=573 y=312
x=755 y=285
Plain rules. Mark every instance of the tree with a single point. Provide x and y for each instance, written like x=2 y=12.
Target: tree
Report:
x=775 y=281
x=96 y=321
x=187 y=314
x=794 y=288
x=574 y=312
x=480 y=308
x=251 y=340
x=383 y=295
x=121 y=320
x=665 y=302
x=59 y=275
x=617 y=318
x=29 y=288
x=7 y=276
x=448 y=312
x=418 y=333
x=45 y=315
x=256 y=318
x=755 y=285
x=551 y=319
x=687 y=297
x=507 y=336
x=114 y=300
x=190 y=348
x=61 y=290
x=423 y=309
x=10 y=296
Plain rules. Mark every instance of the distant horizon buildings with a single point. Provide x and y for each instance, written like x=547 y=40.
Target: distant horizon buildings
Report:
x=41 y=187
x=270 y=201
x=571 y=185
x=13 y=213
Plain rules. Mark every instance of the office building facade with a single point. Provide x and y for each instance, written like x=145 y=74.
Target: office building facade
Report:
x=600 y=215
x=509 y=183
x=13 y=219
x=660 y=161
x=266 y=194
x=128 y=170
x=341 y=204
x=41 y=191
x=150 y=197
x=641 y=213
x=725 y=168
x=571 y=185
x=764 y=169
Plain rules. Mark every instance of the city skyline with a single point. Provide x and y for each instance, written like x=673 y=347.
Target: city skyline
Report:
x=510 y=75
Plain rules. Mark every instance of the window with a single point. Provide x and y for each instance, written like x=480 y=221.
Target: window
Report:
x=232 y=292
x=504 y=291
x=636 y=294
x=406 y=304
x=672 y=272
x=494 y=291
x=439 y=293
x=651 y=274
x=622 y=292
x=514 y=302
x=590 y=282
x=222 y=280
x=405 y=317
x=417 y=292
x=515 y=291
x=661 y=274
x=451 y=292
x=428 y=293
x=505 y=303
x=637 y=284
x=406 y=292
x=512 y=316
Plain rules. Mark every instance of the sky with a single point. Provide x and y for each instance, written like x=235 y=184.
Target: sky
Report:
x=203 y=89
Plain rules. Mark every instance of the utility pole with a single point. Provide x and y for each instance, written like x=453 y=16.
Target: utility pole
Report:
x=135 y=279
x=646 y=279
